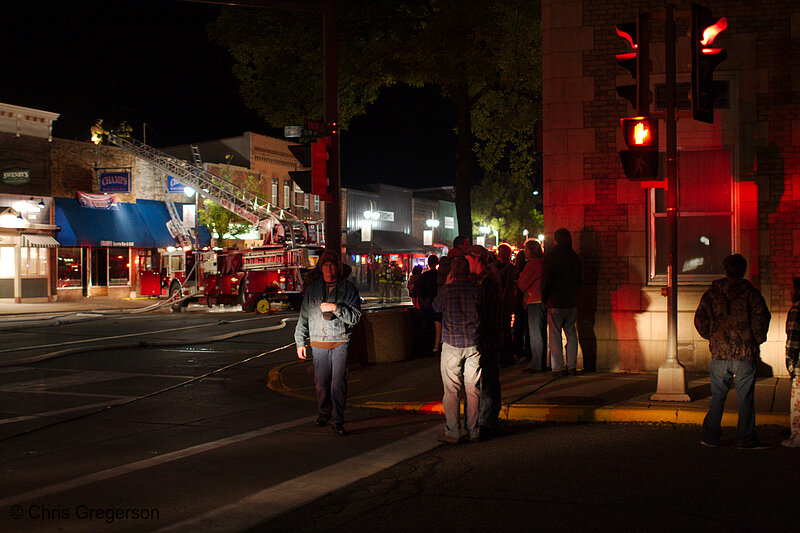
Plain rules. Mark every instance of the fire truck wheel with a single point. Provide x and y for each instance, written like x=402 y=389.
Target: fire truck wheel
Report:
x=262 y=306
x=176 y=307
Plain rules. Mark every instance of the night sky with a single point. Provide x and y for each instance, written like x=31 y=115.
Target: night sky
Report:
x=150 y=61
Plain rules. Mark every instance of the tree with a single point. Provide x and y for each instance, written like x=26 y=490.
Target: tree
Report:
x=221 y=221
x=482 y=54
x=504 y=202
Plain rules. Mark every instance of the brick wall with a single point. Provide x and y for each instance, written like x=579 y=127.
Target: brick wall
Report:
x=26 y=152
x=622 y=314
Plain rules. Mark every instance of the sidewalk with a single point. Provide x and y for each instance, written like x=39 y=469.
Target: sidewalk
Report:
x=96 y=303
x=591 y=397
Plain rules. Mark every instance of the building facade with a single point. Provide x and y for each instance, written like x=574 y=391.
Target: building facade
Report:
x=27 y=244
x=739 y=180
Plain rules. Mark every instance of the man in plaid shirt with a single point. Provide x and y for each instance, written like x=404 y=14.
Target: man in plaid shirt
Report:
x=792 y=351
x=458 y=301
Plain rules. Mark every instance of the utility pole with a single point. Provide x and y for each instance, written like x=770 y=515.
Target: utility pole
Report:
x=671 y=374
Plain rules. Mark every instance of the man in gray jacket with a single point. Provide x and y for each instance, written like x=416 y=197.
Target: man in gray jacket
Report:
x=331 y=307
x=733 y=316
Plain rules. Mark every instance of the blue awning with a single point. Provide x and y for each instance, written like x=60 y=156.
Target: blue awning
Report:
x=140 y=225
x=83 y=226
x=156 y=216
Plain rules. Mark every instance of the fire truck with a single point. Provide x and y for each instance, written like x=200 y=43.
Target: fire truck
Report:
x=253 y=278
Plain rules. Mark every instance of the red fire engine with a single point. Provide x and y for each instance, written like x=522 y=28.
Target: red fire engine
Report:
x=252 y=278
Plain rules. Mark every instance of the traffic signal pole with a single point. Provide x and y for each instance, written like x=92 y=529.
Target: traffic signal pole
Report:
x=333 y=211
x=671 y=374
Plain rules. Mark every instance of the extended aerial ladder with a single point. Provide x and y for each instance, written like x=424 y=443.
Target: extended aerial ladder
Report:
x=230 y=196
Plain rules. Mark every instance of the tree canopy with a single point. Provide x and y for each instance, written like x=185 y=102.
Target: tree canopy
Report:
x=483 y=55
x=504 y=202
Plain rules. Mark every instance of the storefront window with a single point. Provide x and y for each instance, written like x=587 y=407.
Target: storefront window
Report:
x=7 y=269
x=34 y=261
x=118 y=266
x=69 y=267
x=705 y=218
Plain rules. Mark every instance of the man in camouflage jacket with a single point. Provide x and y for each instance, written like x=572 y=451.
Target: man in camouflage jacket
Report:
x=733 y=316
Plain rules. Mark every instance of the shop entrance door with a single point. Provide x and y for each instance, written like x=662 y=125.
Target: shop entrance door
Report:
x=99 y=267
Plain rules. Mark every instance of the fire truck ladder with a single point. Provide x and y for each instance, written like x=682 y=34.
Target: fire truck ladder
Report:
x=234 y=198
x=175 y=224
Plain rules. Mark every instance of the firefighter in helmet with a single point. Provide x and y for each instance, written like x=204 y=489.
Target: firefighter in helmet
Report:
x=384 y=281
x=398 y=280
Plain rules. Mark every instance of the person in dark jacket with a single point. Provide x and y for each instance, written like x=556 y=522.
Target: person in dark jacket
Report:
x=792 y=355
x=490 y=338
x=733 y=316
x=331 y=307
x=506 y=274
x=561 y=279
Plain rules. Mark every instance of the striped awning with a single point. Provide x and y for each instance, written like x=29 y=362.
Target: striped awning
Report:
x=37 y=240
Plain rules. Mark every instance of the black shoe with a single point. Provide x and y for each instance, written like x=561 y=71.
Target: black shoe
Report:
x=572 y=371
x=321 y=421
x=709 y=444
x=560 y=374
x=339 y=429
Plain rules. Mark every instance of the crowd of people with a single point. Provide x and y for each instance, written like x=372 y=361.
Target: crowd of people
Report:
x=488 y=312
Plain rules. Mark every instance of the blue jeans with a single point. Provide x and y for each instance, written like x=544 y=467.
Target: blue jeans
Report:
x=460 y=366
x=330 y=380
x=563 y=319
x=722 y=373
x=535 y=322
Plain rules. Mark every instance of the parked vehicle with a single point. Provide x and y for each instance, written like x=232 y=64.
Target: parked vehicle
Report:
x=253 y=278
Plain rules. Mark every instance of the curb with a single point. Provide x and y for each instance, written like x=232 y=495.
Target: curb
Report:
x=553 y=413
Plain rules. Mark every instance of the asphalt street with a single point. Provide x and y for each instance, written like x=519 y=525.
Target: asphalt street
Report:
x=129 y=439
x=576 y=477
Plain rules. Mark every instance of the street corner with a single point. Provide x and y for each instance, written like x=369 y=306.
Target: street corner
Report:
x=294 y=379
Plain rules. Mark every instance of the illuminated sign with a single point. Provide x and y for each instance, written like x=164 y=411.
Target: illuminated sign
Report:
x=17 y=176
x=174 y=185
x=115 y=181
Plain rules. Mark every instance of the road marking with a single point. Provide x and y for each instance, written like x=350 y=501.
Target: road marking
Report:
x=67 y=380
x=147 y=463
x=270 y=503
x=119 y=399
x=139 y=334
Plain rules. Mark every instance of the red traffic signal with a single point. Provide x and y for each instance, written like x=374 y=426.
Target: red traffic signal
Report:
x=637 y=61
x=704 y=60
x=640 y=132
x=640 y=162
x=319 y=168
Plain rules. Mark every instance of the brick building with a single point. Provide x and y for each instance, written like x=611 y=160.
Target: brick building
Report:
x=27 y=246
x=739 y=177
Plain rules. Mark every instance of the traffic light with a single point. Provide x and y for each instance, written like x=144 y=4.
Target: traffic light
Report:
x=704 y=61
x=637 y=62
x=319 y=168
x=640 y=161
x=302 y=177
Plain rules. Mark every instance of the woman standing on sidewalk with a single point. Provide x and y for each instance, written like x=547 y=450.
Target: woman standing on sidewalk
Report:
x=529 y=284
x=792 y=351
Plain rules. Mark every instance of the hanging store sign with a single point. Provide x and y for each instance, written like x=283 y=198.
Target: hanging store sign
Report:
x=449 y=223
x=16 y=176
x=97 y=201
x=174 y=185
x=115 y=182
